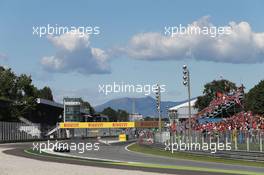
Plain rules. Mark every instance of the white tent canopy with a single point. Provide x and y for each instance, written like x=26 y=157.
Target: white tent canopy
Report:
x=182 y=109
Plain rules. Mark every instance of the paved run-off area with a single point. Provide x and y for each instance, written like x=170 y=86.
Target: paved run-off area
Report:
x=14 y=160
x=13 y=165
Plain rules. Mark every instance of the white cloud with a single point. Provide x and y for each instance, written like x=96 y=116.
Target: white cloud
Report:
x=3 y=56
x=70 y=41
x=243 y=45
x=76 y=55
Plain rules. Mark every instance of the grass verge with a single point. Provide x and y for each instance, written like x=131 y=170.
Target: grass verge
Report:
x=188 y=156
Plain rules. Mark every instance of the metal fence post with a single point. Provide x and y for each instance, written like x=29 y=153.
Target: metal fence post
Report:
x=260 y=141
x=235 y=142
x=248 y=142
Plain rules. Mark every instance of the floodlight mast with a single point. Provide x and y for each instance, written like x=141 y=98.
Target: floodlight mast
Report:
x=158 y=105
x=186 y=82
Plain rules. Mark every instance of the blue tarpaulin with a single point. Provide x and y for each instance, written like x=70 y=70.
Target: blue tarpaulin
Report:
x=209 y=120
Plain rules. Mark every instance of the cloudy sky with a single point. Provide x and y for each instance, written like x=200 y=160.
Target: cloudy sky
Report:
x=131 y=47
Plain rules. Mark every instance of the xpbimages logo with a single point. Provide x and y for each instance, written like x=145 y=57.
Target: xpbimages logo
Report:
x=57 y=30
x=190 y=29
x=213 y=147
x=79 y=147
x=122 y=87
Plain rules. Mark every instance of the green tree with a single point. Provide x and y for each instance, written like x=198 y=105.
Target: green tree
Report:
x=111 y=113
x=210 y=90
x=45 y=93
x=88 y=108
x=8 y=89
x=25 y=101
x=122 y=115
x=255 y=99
x=19 y=94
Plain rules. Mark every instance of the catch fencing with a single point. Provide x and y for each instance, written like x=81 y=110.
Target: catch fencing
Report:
x=244 y=140
x=15 y=131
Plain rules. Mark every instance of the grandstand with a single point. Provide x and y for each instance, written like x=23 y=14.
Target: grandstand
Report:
x=48 y=113
x=33 y=126
x=223 y=109
x=226 y=112
x=224 y=105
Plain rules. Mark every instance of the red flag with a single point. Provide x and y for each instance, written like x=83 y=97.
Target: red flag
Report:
x=219 y=94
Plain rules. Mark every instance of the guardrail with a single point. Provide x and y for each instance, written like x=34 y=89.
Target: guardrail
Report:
x=232 y=154
x=243 y=140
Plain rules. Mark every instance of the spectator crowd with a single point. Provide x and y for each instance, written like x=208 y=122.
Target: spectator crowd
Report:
x=240 y=121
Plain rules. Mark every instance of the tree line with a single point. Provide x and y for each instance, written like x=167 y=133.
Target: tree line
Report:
x=19 y=92
x=114 y=116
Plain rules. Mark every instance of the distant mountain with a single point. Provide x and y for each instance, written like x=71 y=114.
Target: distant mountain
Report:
x=145 y=105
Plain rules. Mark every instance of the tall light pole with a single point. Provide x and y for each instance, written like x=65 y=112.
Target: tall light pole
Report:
x=186 y=82
x=167 y=110
x=64 y=111
x=158 y=105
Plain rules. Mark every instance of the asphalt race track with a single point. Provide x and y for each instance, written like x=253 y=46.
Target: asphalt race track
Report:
x=118 y=152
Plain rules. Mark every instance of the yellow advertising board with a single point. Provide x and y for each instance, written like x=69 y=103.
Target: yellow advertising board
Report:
x=98 y=125
x=122 y=137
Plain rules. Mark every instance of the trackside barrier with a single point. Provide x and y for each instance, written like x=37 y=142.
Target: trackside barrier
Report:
x=19 y=132
x=15 y=131
x=85 y=129
x=243 y=140
x=242 y=155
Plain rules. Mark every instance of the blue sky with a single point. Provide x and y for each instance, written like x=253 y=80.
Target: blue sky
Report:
x=119 y=22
